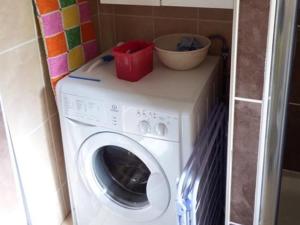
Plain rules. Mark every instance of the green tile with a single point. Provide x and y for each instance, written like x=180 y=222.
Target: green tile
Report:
x=73 y=37
x=65 y=3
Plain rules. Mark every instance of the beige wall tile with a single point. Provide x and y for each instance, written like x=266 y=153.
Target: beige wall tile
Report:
x=134 y=10
x=94 y=6
x=58 y=149
x=176 y=12
x=107 y=31
x=104 y=9
x=96 y=22
x=215 y=14
x=169 y=26
x=208 y=28
x=37 y=164
x=11 y=205
x=17 y=16
x=244 y=167
x=129 y=27
x=22 y=89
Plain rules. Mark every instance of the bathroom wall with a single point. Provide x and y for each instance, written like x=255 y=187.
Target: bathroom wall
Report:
x=247 y=103
x=11 y=205
x=32 y=115
x=292 y=153
x=121 y=23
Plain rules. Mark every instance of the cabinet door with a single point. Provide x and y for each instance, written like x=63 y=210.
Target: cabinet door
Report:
x=225 y=4
x=132 y=2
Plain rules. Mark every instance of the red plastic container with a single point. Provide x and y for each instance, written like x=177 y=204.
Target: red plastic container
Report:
x=134 y=60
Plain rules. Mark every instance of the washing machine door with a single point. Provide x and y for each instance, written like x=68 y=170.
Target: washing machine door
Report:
x=124 y=176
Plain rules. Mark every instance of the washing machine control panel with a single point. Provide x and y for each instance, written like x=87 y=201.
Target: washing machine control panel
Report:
x=152 y=123
x=117 y=116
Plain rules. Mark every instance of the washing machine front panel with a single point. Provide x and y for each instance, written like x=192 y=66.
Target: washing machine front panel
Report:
x=124 y=176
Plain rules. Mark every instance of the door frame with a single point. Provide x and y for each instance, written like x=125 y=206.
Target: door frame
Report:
x=278 y=71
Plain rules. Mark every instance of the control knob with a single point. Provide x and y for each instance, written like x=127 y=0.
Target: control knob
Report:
x=161 y=129
x=144 y=127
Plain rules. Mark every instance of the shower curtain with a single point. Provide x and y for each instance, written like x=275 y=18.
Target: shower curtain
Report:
x=68 y=33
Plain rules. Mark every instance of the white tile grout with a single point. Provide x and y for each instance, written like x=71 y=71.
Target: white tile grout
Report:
x=294 y=104
x=18 y=46
x=248 y=100
x=233 y=223
x=235 y=27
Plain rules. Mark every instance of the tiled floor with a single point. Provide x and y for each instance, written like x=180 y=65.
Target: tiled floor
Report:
x=290 y=199
x=68 y=221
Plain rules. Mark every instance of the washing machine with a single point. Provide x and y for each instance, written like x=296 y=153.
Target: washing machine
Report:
x=126 y=143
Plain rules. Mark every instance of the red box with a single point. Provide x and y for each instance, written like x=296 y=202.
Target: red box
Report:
x=134 y=60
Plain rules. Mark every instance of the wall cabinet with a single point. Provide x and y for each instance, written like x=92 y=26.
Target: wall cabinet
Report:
x=225 y=4
x=132 y=2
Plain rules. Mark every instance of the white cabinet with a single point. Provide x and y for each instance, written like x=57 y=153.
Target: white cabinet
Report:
x=225 y=4
x=132 y=2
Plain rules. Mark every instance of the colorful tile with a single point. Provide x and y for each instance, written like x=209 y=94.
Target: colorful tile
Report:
x=56 y=45
x=47 y=6
x=73 y=37
x=52 y=24
x=69 y=36
x=65 y=3
x=58 y=65
x=75 y=58
x=88 y=32
x=71 y=17
x=90 y=50
x=85 y=12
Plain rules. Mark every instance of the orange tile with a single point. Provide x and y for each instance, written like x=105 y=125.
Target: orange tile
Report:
x=56 y=45
x=47 y=6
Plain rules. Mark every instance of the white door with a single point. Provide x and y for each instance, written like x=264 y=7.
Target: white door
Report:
x=124 y=176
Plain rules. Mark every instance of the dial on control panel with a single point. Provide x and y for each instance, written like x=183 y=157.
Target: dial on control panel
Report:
x=161 y=129
x=144 y=127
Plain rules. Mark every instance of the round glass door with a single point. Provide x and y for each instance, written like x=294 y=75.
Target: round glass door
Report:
x=123 y=175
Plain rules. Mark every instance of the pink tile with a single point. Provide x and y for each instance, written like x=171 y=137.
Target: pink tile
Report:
x=85 y=13
x=52 y=24
x=58 y=65
x=90 y=50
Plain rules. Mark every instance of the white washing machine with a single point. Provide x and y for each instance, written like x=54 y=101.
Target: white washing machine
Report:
x=126 y=143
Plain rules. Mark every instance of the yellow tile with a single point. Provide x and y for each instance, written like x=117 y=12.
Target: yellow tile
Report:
x=71 y=17
x=75 y=58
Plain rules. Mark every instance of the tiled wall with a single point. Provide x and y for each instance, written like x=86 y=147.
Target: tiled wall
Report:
x=121 y=23
x=32 y=114
x=251 y=51
x=11 y=205
x=292 y=153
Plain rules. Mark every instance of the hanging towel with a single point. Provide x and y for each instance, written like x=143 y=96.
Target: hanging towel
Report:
x=68 y=33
